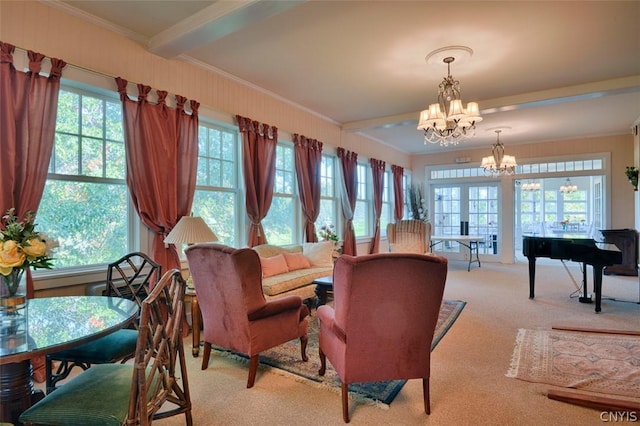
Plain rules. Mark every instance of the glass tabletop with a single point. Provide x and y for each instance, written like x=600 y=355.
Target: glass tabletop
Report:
x=51 y=323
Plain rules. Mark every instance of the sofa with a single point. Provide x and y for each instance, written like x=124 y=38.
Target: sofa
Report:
x=291 y=269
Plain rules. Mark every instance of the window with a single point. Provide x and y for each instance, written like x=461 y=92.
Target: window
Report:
x=329 y=203
x=386 y=215
x=281 y=222
x=85 y=204
x=217 y=197
x=364 y=204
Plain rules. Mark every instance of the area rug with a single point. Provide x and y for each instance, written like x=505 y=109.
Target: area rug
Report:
x=286 y=358
x=595 y=362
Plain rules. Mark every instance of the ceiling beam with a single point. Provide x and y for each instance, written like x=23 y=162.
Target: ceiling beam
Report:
x=216 y=21
x=509 y=103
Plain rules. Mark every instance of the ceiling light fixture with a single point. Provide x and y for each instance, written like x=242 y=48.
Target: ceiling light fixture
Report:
x=531 y=186
x=447 y=122
x=497 y=163
x=568 y=187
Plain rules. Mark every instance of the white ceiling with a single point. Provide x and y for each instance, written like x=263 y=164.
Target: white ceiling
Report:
x=548 y=70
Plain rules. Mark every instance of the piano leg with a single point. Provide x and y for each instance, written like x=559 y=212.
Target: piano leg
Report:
x=532 y=276
x=597 y=284
x=586 y=297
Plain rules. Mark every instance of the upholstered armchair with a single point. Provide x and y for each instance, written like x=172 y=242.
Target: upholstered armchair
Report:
x=383 y=320
x=409 y=236
x=235 y=313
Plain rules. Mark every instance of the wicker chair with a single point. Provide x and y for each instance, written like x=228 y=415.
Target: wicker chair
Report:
x=131 y=393
x=131 y=277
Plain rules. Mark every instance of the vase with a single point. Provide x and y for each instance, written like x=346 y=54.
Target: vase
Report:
x=12 y=290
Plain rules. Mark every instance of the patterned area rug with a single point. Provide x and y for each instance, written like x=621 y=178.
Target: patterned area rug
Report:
x=596 y=362
x=286 y=358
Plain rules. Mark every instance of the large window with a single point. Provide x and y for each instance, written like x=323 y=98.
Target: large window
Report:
x=281 y=222
x=85 y=204
x=329 y=204
x=364 y=204
x=217 y=197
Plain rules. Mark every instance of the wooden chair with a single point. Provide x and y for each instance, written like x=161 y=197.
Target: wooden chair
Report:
x=235 y=313
x=381 y=326
x=131 y=393
x=409 y=236
x=131 y=277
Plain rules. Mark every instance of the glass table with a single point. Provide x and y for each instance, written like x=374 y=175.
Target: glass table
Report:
x=47 y=325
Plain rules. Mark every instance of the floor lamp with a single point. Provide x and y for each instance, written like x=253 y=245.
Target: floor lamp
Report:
x=190 y=230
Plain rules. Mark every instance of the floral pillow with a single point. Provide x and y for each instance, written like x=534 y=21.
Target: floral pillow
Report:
x=296 y=261
x=319 y=254
x=273 y=265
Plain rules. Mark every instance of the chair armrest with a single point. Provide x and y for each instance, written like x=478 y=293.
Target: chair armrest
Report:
x=327 y=318
x=276 y=306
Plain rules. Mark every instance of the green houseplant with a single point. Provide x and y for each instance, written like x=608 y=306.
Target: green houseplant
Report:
x=632 y=175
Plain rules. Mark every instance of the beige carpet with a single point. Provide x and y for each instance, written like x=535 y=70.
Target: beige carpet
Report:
x=595 y=362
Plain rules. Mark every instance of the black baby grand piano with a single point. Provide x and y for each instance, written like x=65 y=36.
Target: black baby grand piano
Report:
x=583 y=250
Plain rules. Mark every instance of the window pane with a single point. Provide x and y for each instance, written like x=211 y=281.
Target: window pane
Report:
x=218 y=210
x=278 y=225
x=89 y=220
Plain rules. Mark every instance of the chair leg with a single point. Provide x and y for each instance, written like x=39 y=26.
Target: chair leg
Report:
x=323 y=363
x=253 y=368
x=303 y=347
x=425 y=393
x=345 y=402
x=206 y=353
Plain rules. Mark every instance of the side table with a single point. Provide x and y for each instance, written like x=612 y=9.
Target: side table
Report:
x=324 y=285
x=196 y=319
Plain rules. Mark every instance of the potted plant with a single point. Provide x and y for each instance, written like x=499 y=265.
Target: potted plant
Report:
x=632 y=175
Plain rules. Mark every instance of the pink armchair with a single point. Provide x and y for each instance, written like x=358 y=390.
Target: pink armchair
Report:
x=235 y=314
x=384 y=316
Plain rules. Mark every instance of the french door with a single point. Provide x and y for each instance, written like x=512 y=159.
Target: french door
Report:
x=474 y=203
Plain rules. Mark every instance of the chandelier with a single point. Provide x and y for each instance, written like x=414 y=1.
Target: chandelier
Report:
x=448 y=122
x=568 y=187
x=498 y=163
x=531 y=186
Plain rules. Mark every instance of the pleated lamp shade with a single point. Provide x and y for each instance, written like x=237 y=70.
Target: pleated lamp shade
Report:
x=190 y=230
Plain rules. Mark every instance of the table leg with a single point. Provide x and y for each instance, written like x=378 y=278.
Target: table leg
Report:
x=16 y=391
x=195 y=326
x=321 y=292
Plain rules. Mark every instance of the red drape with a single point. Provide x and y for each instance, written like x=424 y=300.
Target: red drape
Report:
x=377 y=170
x=348 y=166
x=162 y=154
x=308 y=158
x=259 y=165
x=28 y=109
x=398 y=191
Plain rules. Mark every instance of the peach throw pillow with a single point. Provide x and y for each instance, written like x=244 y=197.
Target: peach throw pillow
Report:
x=273 y=265
x=296 y=261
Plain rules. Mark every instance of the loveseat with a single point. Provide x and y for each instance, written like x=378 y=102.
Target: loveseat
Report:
x=292 y=269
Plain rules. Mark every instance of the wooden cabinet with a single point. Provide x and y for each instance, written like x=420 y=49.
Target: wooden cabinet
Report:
x=627 y=242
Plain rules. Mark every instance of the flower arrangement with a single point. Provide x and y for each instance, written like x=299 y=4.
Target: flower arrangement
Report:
x=21 y=248
x=327 y=233
x=632 y=175
x=417 y=204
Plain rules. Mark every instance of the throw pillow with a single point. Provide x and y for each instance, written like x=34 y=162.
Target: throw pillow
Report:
x=319 y=254
x=273 y=265
x=296 y=261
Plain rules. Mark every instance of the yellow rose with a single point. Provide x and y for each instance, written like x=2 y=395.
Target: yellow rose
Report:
x=35 y=248
x=10 y=256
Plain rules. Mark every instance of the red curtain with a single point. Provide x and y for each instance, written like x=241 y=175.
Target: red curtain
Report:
x=162 y=154
x=308 y=158
x=398 y=191
x=28 y=109
x=348 y=166
x=259 y=162
x=377 y=169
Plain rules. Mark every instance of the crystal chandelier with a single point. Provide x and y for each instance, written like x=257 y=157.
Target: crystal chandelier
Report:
x=498 y=163
x=531 y=186
x=448 y=122
x=568 y=187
